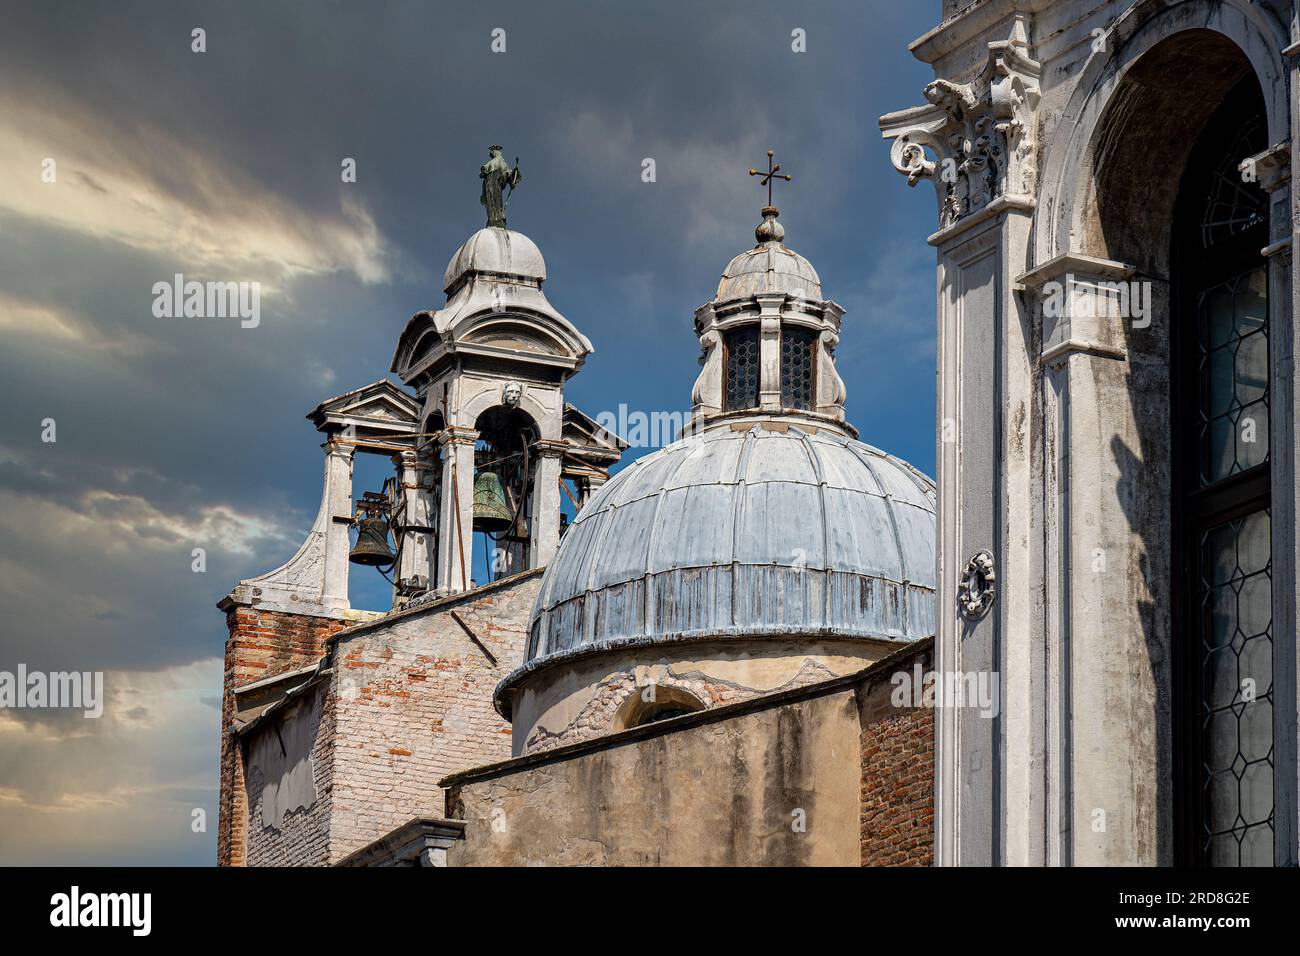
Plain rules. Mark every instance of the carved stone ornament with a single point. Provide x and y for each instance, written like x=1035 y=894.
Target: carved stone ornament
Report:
x=511 y=394
x=978 y=586
x=976 y=141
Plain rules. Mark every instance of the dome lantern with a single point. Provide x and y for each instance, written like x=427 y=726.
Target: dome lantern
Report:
x=768 y=336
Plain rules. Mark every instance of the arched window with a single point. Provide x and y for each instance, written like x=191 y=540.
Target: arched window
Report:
x=741 y=360
x=1222 y=612
x=654 y=703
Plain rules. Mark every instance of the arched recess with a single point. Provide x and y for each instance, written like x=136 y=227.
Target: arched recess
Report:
x=1105 y=91
x=663 y=702
x=1114 y=189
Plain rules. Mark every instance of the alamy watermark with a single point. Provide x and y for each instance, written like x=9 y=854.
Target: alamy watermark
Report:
x=644 y=429
x=69 y=690
x=1098 y=300
x=75 y=909
x=208 y=300
x=920 y=688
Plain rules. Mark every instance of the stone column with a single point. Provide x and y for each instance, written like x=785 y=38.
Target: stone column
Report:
x=976 y=142
x=1106 y=755
x=338 y=518
x=589 y=486
x=769 y=383
x=545 y=530
x=456 y=518
x=1272 y=170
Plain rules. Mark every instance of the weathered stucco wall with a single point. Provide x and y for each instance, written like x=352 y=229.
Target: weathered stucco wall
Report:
x=774 y=787
x=262 y=644
x=578 y=700
x=289 y=761
x=789 y=779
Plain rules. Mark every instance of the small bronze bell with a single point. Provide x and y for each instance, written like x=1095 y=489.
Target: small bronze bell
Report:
x=491 y=513
x=372 y=547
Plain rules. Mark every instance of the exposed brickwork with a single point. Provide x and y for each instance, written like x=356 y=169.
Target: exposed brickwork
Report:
x=897 y=777
x=414 y=703
x=261 y=644
x=406 y=701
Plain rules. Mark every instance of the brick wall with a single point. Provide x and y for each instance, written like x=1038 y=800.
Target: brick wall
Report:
x=261 y=644
x=414 y=704
x=897 y=755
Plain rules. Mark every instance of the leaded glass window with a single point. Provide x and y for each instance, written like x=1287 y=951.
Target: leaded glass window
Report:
x=1236 y=596
x=798 y=353
x=1233 y=360
x=742 y=365
x=1222 y=617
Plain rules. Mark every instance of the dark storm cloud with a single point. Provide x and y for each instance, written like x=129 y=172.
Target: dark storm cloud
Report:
x=183 y=433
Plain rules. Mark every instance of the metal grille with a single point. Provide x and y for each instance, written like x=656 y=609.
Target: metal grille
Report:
x=798 y=350
x=742 y=352
x=1233 y=206
x=1233 y=370
x=1236 y=720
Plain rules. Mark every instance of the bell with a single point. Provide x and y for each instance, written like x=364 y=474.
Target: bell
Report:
x=372 y=547
x=491 y=513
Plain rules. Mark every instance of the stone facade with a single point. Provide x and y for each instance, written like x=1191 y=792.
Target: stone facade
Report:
x=1056 y=136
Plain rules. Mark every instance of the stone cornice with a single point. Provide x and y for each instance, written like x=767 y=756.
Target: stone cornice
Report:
x=966 y=24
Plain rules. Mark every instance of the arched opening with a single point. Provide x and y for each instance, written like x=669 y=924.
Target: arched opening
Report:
x=504 y=471
x=1222 y=621
x=653 y=703
x=1165 y=196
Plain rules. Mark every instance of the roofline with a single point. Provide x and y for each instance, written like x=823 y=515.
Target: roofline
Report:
x=505 y=706
x=448 y=600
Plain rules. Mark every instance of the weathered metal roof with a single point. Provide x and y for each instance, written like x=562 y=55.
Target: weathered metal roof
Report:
x=769 y=268
x=753 y=532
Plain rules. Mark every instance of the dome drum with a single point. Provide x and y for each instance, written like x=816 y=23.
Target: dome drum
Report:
x=729 y=535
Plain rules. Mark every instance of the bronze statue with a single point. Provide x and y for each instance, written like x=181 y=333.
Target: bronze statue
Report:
x=497 y=176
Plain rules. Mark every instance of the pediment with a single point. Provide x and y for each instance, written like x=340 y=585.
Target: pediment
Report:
x=380 y=404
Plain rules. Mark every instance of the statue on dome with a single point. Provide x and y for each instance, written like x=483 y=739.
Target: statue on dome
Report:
x=499 y=178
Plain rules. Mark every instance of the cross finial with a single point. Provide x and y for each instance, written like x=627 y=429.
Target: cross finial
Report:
x=773 y=172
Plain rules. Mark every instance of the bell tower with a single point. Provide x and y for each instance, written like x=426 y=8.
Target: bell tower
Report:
x=489 y=369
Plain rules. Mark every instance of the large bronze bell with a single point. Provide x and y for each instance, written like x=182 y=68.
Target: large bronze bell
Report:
x=372 y=547
x=491 y=511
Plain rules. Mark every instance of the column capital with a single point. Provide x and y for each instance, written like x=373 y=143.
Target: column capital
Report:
x=975 y=141
x=1271 y=168
x=458 y=435
x=550 y=448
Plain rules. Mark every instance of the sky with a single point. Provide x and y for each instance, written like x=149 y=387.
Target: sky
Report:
x=172 y=434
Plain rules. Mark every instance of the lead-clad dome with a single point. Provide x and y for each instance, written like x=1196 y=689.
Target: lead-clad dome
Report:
x=769 y=267
x=497 y=251
x=755 y=532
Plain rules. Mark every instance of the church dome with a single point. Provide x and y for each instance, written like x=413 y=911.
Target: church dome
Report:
x=757 y=532
x=769 y=267
x=497 y=251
